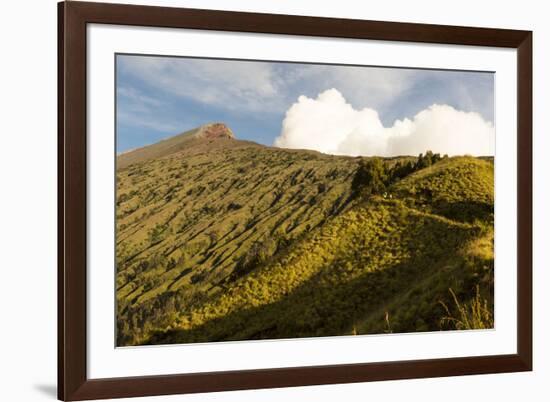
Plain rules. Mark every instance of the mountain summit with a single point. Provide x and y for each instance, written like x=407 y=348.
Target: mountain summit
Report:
x=211 y=136
x=213 y=131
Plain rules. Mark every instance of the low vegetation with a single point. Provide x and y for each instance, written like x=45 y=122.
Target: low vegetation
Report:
x=223 y=239
x=473 y=315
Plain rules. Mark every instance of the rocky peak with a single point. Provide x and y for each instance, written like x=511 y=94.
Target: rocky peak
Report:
x=214 y=130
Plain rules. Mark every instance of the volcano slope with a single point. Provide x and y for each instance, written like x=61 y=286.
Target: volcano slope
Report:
x=220 y=239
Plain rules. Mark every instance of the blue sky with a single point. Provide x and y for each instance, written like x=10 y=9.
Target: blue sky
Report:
x=159 y=97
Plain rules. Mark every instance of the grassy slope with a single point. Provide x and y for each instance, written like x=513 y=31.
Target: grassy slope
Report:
x=252 y=242
x=192 y=221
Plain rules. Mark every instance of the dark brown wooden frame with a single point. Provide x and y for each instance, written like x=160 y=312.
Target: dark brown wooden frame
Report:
x=73 y=17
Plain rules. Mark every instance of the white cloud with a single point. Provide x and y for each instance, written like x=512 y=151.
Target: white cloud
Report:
x=137 y=98
x=133 y=119
x=331 y=125
x=263 y=86
x=136 y=109
x=223 y=83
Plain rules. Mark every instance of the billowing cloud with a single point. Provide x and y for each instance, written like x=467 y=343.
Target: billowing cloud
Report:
x=331 y=125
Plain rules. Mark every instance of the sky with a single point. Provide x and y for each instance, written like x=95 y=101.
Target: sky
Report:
x=348 y=110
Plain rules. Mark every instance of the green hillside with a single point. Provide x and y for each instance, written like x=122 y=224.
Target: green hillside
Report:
x=221 y=239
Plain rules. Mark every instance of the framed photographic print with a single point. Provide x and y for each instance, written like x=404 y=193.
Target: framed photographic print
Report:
x=253 y=200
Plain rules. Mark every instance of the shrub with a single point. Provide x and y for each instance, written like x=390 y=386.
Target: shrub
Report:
x=370 y=177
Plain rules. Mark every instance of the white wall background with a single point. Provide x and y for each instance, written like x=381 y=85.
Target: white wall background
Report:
x=28 y=199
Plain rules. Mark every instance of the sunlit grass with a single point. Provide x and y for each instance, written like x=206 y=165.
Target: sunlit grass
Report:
x=474 y=314
x=254 y=243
